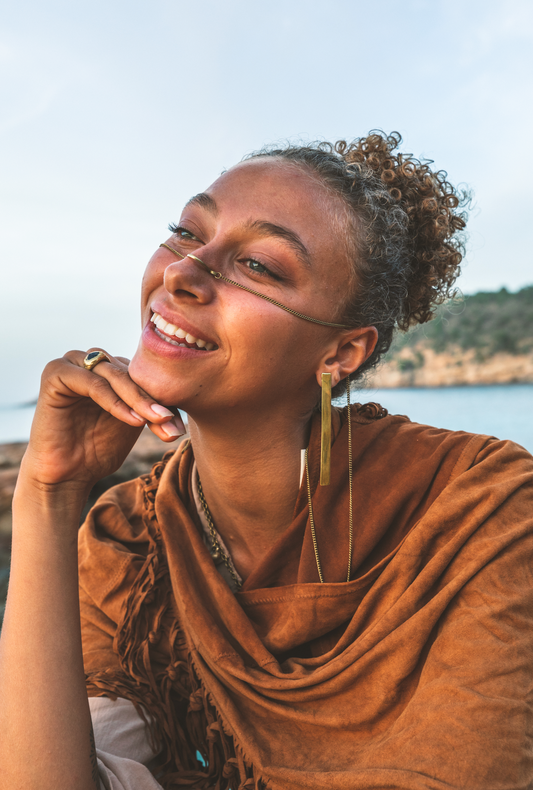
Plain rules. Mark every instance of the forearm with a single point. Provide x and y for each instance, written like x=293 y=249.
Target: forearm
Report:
x=44 y=714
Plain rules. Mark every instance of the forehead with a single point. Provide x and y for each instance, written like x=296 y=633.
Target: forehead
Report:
x=278 y=191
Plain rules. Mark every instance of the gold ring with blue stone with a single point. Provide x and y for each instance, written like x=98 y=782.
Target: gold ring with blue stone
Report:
x=93 y=358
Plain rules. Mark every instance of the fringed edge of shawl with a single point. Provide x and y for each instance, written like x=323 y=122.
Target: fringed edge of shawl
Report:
x=160 y=697
x=237 y=765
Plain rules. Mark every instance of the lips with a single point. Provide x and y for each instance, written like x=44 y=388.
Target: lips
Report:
x=177 y=336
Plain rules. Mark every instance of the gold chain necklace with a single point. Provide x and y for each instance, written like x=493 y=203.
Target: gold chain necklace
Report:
x=216 y=551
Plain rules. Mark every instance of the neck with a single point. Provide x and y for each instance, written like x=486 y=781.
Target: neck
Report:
x=250 y=474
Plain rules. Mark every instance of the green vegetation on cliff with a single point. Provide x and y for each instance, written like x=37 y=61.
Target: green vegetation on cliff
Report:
x=488 y=322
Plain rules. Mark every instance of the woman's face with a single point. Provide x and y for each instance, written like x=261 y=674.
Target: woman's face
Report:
x=269 y=226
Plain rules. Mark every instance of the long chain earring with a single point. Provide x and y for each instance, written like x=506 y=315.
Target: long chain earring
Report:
x=325 y=431
x=350 y=482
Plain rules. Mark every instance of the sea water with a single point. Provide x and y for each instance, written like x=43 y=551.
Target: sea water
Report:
x=15 y=423
x=504 y=411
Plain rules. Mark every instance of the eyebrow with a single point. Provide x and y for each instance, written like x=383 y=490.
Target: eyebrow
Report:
x=261 y=227
x=205 y=201
x=278 y=231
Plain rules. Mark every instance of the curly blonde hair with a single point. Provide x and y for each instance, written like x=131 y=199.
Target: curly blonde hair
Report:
x=405 y=237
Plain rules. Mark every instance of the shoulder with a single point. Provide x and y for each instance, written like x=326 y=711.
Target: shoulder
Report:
x=392 y=434
x=402 y=469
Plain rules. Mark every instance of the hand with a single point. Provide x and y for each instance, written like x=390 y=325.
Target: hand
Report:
x=86 y=422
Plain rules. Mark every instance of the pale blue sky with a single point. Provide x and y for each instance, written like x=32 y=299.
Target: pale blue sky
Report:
x=114 y=113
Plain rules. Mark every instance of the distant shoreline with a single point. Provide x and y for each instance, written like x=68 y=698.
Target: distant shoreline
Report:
x=482 y=339
x=466 y=385
x=422 y=368
x=16 y=406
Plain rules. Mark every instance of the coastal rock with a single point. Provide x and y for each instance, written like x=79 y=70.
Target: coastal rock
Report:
x=8 y=480
x=420 y=366
x=484 y=338
x=11 y=454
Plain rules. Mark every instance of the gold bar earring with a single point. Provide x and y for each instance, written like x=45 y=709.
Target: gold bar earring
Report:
x=325 y=434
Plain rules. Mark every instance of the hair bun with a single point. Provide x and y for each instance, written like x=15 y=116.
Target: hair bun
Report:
x=430 y=202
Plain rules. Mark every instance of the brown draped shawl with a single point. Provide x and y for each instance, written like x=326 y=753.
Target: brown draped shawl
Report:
x=416 y=674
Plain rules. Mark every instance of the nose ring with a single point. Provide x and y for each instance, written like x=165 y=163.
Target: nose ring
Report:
x=216 y=275
x=189 y=255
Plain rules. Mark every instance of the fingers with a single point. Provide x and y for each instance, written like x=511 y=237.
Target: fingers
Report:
x=109 y=385
x=169 y=431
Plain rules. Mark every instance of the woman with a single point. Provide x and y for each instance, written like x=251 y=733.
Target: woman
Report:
x=243 y=625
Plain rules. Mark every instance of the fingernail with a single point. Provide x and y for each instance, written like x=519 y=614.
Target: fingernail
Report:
x=171 y=429
x=161 y=411
x=137 y=416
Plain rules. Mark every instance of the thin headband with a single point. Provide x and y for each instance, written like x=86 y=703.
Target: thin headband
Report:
x=220 y=276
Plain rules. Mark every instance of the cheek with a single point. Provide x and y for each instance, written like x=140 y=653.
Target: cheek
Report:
x=153 y=277
x=269 y=342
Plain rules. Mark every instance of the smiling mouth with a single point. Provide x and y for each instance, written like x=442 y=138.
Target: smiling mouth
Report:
x=179 y=337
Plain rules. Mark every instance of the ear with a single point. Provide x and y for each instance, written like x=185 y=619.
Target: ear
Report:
x=347 y=353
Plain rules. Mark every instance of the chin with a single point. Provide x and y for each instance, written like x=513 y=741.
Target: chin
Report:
x=157 y=383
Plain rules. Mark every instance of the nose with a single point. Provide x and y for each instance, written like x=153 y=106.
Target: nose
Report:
x=186 y=277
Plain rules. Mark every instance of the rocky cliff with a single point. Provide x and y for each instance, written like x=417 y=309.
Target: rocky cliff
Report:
x=486 y=338
x=423 y=367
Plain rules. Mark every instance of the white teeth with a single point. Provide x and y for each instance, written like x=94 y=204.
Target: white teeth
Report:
x=172 y=329
x=165 y=338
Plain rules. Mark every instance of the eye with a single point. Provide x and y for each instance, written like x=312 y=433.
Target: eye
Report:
x=255 y=266
x=183 y=233
x=258 y=268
